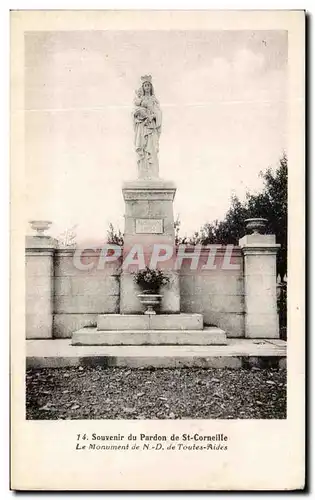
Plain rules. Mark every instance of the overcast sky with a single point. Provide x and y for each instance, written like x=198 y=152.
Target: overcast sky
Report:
x=223 y=98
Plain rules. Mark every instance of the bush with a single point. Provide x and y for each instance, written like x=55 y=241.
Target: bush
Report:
x=151 y=280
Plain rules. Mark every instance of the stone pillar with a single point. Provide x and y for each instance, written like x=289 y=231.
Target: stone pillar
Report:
x=260 y=279
x=39 y=286
x=149 y=220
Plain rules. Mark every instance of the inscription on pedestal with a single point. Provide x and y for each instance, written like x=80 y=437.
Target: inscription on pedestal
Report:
x=151 y=226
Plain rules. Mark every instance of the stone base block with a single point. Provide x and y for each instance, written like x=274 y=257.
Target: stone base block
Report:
x=160 y=186
x=92 y=336
x=150 y=322
x=39 y=326
x=262 y=326
x=65 y=324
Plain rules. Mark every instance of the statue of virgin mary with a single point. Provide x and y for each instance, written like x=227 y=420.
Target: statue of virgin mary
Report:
x=147 y=119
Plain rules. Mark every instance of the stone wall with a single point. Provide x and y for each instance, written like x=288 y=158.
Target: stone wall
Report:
x=216 y=293
x=62 y=298
x=235 y=291
x=81 y=294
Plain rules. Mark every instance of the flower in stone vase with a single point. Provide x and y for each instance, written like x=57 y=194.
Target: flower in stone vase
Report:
x=150 y=280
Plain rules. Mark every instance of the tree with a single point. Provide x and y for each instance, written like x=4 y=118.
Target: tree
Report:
x=230 y=229
x=114 y=236
x=271 y=204
x=177 y=224
x=186 y=240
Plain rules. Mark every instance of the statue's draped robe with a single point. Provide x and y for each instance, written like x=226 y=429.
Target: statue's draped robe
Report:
x=147 y=124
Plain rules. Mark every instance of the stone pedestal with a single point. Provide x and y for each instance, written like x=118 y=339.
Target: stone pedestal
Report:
x=149 y=221
x=127 y=322
x=141 y=329
x=39 y=286
x=260 y=280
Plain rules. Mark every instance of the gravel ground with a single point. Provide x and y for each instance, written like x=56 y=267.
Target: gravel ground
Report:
x=118 y=393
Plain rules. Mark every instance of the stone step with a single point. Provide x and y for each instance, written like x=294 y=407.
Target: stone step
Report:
x=133 y=322
x=238 y=353
x=93 y=336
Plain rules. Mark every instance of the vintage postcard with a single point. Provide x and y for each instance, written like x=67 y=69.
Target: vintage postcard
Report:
x=157 y=237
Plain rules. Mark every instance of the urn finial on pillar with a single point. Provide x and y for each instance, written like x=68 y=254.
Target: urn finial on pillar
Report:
x=40 y=226
x=256 y=225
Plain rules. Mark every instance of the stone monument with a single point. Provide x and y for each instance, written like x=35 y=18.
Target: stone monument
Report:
x=148 y=199
x=149 y=221
x=107 y=308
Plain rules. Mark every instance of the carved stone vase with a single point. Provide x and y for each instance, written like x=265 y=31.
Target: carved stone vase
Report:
x=150 y=299
x=40 y=226
x=256 y=226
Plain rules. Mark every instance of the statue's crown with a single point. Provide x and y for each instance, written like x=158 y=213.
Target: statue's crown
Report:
x=146 y=78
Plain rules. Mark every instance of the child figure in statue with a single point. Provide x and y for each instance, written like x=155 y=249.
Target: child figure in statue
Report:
x=147 y=119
